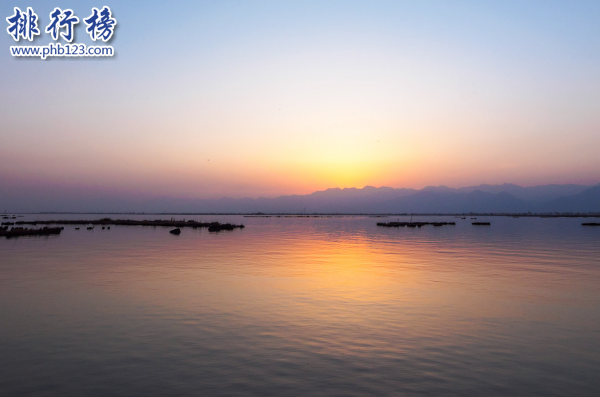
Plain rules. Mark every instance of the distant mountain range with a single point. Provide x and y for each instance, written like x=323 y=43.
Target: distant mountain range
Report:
x=506 y=198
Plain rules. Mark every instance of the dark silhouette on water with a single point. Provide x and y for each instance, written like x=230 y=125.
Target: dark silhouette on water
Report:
x=129 y=222
x=481 y=223
x=176 y=232
x=20 y=231
x=590 y=224
x=414 y=224
x=223 y=226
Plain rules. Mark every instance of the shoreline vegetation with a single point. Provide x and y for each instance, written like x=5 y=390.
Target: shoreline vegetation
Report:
x=414 y=224
x=212 y=226
x=21 y=231
x=17 y=230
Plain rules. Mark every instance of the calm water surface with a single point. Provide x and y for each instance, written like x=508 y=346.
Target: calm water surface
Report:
x=303 y=307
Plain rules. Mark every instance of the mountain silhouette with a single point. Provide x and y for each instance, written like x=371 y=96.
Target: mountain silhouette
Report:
x=505 y=198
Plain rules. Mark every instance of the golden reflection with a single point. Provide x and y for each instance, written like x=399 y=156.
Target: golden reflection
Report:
x=301 y=272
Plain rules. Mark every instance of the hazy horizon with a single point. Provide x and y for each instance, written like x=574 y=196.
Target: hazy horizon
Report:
x=502 y=198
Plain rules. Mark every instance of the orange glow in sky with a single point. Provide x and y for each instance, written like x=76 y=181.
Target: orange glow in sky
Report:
x=271 y=99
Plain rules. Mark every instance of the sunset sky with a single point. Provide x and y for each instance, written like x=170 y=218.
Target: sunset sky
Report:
x=263 y=98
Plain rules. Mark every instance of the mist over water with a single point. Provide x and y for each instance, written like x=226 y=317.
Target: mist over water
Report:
x=303 y=306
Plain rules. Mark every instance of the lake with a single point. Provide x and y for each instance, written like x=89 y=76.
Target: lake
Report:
x=332 y=306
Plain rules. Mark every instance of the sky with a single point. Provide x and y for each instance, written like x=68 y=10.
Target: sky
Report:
x=264 y=98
